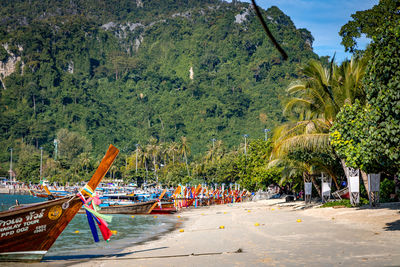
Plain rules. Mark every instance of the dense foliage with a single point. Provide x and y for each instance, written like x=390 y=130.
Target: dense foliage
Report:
x=368 y=137
x=349 y=137
x=120 y=72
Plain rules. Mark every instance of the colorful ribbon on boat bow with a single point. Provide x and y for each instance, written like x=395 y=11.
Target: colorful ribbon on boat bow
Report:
x=90 y=205
x=88 y=190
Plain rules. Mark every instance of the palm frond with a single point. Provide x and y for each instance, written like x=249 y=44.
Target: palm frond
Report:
x=313 y=142
x=296 y=102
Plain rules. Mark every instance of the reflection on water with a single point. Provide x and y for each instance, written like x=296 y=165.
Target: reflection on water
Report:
x=129 y=229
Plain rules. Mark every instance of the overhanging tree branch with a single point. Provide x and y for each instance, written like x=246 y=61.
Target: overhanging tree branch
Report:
x=273 y=40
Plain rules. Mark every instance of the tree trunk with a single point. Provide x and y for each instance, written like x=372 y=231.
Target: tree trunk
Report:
x=364 y=177
x=34 y=105
x=155 y=169
x=396 y=185
x=162 y=124
x=331 y=174
x=344 y=168
x=316 y=186
x=147 y=170
x=187 y=167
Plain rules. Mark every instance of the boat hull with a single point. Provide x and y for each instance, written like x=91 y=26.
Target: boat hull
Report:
x=28 y=232
x=166 y=208
x=23 y=256
x=137 y=208
x=163 y=211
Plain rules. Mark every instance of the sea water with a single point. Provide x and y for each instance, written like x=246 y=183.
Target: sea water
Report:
x=77 y=240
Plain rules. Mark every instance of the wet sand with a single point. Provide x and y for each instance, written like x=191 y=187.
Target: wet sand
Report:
x=268 y=233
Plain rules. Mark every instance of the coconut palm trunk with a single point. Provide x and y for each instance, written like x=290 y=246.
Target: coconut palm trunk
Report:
x=316 y=186
x=364 y=177
x=155 y=168
x=186 y=162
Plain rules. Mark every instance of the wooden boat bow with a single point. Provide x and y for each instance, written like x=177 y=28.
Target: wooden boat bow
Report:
x=28 y=232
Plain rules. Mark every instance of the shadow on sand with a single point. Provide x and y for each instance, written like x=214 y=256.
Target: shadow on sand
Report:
x=393 y=226
x=95 y=255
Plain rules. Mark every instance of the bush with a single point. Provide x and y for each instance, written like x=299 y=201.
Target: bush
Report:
x=387 y=188
x=344 y=202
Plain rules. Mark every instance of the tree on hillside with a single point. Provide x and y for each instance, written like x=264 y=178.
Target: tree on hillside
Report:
x=121 y=63
x=28 y=165
x=72 y=144
x=95 y=70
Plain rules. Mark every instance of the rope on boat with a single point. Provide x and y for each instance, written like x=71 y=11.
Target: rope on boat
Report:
x=65 y=205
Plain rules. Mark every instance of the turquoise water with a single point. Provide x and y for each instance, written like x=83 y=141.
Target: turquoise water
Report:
x=129 y=231
x=7 y=201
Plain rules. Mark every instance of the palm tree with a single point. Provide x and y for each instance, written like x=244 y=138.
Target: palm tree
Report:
x=113 y=169
x=309 y=135
x=184 y=150
x=153 y=150
x=172 y=151
x=350 y=74
x=215 y=151
x=293 y=169
x=316 y=100
x=144 y=157
x=313 y=97
x=163 y=153
x=324 y=91
x=84 y=159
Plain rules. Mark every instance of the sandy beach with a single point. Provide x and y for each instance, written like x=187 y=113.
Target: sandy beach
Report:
x=267 y=233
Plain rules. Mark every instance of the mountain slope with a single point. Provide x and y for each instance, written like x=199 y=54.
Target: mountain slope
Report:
x=122 y=71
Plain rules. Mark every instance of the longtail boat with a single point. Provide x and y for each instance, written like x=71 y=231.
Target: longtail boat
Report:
x=162 y=207
x=135 y=208
x=28 y=231
x=166 y=208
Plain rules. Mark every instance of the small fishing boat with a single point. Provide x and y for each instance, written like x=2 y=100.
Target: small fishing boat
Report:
x=342 y=193
x=134 y=208
x=164 y=208
x=46 y=193
x=145 y=207
x=28 y=231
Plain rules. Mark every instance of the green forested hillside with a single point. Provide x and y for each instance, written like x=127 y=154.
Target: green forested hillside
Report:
x=123 y=71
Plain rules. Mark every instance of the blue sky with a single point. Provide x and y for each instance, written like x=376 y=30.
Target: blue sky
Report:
x=323 y=18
